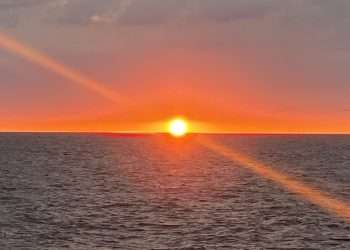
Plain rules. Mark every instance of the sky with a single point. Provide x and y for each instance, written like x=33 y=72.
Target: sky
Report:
x=252 y=66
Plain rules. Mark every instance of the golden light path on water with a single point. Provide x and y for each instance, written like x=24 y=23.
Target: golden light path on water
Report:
x=38 y=58
x=321 y=199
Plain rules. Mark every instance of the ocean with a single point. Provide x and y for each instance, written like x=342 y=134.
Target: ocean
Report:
x=105 y=191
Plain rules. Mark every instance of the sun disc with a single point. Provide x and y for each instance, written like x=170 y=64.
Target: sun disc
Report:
x=178 y=127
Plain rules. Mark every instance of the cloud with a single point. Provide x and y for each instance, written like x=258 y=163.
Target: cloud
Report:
x=156 y=12
x=83 y=12
x=76 y=12
x=123 y=12
x=112 y=15
x=228 y=10
x=8 y=20
x=8 y=16
x=8 y=5
x=14 y=12
x=152 y=12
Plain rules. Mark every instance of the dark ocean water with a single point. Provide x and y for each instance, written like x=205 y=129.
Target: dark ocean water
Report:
x=76 y=191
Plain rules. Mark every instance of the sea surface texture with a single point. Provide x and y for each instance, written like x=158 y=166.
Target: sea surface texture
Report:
x=81 y=191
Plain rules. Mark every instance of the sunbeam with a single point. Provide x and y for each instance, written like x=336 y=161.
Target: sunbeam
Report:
x=10 y=44
x=319 y=198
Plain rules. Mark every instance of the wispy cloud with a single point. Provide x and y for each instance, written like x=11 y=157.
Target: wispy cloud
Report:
x=112 y=15
x=14 y=4
x=15 y=12
x=130 y=12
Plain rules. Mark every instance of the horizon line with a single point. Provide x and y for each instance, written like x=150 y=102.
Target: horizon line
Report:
x=145 y=133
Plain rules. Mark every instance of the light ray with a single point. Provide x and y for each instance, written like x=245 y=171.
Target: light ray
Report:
x=308 y=193
x=10 y=44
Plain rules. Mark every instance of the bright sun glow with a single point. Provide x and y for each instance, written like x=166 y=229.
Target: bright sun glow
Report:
x=178 y=127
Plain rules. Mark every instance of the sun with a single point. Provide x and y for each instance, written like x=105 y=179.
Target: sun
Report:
x=178 y=127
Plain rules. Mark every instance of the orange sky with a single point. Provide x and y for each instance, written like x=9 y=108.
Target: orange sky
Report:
x=250 y=76
x=173 y=83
